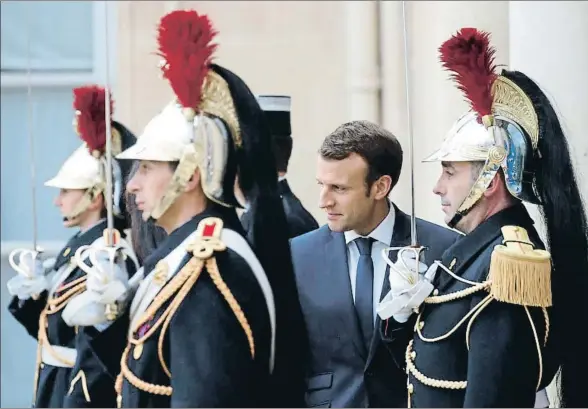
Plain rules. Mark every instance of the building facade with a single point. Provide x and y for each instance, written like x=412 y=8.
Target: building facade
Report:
x=338 y=60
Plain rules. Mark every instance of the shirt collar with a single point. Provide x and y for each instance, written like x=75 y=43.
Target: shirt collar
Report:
x=382 y=233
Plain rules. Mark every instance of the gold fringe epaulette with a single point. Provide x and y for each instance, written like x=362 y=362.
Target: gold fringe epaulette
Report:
x=520 y=274
x=207 y=242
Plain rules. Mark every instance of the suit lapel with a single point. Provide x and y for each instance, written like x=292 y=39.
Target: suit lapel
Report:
x=338 y=278
x=400 y=238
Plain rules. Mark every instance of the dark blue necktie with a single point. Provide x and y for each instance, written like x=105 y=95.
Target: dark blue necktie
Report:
x=364 y=288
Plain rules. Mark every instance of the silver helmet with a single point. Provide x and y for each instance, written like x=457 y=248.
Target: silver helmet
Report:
x=200 y=128
x=501 y=129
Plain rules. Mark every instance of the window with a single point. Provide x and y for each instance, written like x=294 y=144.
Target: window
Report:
x=53 y=46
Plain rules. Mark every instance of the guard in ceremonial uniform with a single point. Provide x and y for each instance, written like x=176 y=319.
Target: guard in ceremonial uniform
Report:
x=503 y=314
x=43 y=289
x=215 y=321
x=277 y=113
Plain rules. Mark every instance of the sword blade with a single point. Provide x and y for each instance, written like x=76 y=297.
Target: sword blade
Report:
x=30 y=132
x=108 y=171
x=413 y=232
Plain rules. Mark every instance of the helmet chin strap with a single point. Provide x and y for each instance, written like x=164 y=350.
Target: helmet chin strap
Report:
x=496 y=156
x=183 y=173
x=475 y=194
x=85 y=201
x=455 y=219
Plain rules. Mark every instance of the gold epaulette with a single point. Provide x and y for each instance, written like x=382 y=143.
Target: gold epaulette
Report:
x=206 y=242
x=519 y=273
x=208 y=239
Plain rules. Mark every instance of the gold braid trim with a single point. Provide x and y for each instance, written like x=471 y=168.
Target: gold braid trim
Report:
x=73 y=288
x=53 y=306
x=212 y=269
x=182 y=282
x=481 y=304
x=440 y=299
x=81 y=376
x=546 y=325
x=425 y=380
x=203 y=254
x=474 y=312
x=193 y=267
x=538 y=345
x=119 y=379
x=135 y=381
x=485 y=302
x=173 y=307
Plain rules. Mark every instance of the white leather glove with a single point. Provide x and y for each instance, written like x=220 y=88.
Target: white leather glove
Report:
x=410 y=284
x=31 y=280
x=107 y=289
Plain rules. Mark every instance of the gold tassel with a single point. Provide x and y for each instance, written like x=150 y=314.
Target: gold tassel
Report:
x=519 y=273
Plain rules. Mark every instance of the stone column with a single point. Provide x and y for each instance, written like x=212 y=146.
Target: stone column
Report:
x=548 y=43
x=361 y=38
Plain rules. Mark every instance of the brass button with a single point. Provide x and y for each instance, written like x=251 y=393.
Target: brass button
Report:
x=42 y=365
x=410 y=389
x=160 y=274
x=435 y=292
x=413 y=355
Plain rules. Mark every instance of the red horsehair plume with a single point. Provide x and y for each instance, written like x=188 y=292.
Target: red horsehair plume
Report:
x=184 y=38
x=89 y=103
x=470 y=57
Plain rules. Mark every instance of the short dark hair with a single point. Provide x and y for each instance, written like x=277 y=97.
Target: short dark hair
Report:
x=174 y=165
x=377 y=146
x=282 y=149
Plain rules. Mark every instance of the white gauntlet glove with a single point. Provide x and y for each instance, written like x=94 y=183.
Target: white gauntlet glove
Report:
x=107 y=288
x=408 y=286
x=31 y=280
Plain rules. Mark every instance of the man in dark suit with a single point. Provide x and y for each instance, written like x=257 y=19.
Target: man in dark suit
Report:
x=277 y=113
x=342 y=275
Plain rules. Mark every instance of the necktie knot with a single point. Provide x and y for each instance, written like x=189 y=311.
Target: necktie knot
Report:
x=364 y=245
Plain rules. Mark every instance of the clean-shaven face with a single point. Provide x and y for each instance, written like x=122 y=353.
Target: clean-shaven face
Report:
x=453 y=186
x=344 y=195
x=149 y=184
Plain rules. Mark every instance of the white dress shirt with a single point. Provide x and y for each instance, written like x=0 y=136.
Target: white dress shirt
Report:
x=382 y=236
